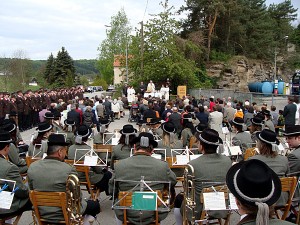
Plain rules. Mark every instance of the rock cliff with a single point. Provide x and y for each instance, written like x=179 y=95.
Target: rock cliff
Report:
x=239 y=71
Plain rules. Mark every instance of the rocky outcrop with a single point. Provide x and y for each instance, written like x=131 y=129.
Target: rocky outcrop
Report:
x=239 y=71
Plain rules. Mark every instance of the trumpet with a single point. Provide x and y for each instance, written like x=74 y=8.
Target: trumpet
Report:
x=74 y=200
x=189 y=194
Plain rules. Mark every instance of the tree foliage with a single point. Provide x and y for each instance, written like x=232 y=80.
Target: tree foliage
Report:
x=234 y=27
x=60 y=71
x=117 y=39
x=165 y=55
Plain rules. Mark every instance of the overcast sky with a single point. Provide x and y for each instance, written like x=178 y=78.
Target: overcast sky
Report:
x=39 y=27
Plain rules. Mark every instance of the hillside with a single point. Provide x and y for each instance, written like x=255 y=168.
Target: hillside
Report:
x=83 y=66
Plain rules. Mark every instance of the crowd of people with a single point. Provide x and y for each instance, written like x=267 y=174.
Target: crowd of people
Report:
x=67 y=122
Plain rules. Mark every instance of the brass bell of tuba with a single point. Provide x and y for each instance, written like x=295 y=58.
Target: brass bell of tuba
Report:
x=74 y=200
x=189 y=203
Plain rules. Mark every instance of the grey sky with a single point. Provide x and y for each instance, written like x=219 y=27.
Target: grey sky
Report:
x=40 y=27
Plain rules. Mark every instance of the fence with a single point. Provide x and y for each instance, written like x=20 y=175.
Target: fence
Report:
x=278 y=100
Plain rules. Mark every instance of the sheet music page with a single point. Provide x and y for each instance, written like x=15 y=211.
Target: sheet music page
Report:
x=235 y=150
x=192 y=157
x=232 y=201
x=6 y=199
x=157 y=156
x=182 y=159
x=214 y=201
x=114 y=141
x=90 y=160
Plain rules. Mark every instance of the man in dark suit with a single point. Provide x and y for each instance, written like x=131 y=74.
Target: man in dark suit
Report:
x=74 y=115
x=141 y=164
x=9 y=171
x=20 y=107
x=107 y=106
x=289 y=112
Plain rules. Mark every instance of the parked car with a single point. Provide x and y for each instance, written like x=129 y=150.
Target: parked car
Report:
x=91 y=89
x=111 y=88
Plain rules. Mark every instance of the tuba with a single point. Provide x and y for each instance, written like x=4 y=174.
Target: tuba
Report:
x=189 y=203
x=74 y=200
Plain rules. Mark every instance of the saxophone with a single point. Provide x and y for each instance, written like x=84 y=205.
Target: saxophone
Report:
x=74 y=200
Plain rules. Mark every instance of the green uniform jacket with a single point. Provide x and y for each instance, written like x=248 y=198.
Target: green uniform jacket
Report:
x=95 y=174
x=186 y=135
x=242 y=139
x=50 y=174
x=13 y=156
x=132 y=169
x=209 y=168
x=39 y=152
x=250 y=220
x=294 y=160
x=119 y=152
x=9 y=171
x=279 y=165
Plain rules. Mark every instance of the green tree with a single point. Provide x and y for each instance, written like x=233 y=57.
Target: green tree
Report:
x=98 y=81
x=60 y=71
x=162 y=56
x=283 y=14
x=202 y=15
x=48 y=74
x=117 y=39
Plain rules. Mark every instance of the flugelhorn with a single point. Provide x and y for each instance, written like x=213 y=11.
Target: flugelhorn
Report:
x=74 y=200
x=189 y=203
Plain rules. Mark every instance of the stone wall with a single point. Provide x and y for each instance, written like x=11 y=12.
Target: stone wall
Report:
x=239 y=71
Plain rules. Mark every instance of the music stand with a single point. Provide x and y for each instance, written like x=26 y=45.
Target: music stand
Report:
x=89 y=158
x=158 y=153
x=140 y=188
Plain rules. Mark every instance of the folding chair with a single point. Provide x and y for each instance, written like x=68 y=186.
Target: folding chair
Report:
x=288 y=184
x=91 y=188
x=30 y=160
x=204 y=213
x=170 y=161
x=52 y=199
x=249 y=152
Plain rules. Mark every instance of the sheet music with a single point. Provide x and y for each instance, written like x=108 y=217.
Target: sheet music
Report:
x=6 y=199
x=235 y=150
x=214 y=201
x=232 y=201
x=156 y=156
x=192 y=157
x=182 y=159
x=90 y=160
x=7 y=196
x=114 y=141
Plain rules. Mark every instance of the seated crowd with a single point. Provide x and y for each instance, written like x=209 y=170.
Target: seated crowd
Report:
x=66 y=133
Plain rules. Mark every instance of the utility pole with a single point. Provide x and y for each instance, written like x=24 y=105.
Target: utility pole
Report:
x=142 y=49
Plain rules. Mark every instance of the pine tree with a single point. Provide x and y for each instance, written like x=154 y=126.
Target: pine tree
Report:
x=48 y=74
x=64 y=69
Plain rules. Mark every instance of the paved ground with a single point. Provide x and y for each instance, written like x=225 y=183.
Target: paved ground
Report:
x=106 y=217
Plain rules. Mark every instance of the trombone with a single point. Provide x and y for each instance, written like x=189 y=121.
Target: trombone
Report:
x=189 y=203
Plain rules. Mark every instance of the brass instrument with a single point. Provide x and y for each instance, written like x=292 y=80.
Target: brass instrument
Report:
x=189 y=203
x=74 y=200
